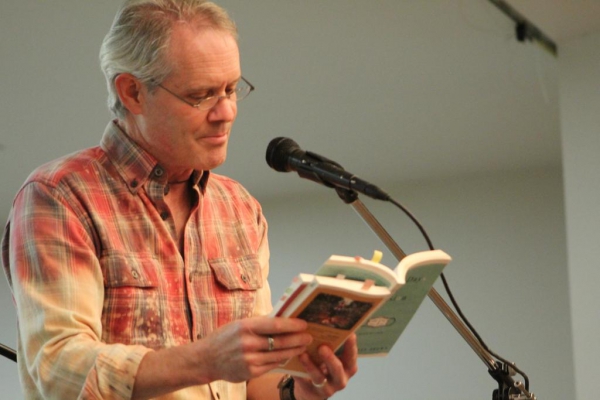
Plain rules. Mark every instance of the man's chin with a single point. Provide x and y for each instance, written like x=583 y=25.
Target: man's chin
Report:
x=211 y=163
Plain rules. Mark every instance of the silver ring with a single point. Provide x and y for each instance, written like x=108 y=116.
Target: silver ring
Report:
x=271 y=343
x=320 y=385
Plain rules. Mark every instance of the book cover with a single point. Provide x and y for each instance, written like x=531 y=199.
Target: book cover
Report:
x=333 y=309
x=409 y=283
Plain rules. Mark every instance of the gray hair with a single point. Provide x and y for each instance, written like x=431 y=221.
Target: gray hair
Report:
x=138 y=40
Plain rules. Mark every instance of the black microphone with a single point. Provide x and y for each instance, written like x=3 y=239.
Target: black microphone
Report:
x=284 y=155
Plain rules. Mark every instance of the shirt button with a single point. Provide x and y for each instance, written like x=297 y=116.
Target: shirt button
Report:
x=159 y=171
x=164 y=215
x=244 y=278
x=135 y=274
x=134 y=183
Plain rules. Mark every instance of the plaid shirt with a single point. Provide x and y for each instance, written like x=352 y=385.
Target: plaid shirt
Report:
x=98 y=281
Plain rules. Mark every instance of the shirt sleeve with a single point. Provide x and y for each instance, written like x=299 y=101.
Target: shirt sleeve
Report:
x=58 y=289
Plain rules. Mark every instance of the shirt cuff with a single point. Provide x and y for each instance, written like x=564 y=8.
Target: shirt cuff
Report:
x=114 y=372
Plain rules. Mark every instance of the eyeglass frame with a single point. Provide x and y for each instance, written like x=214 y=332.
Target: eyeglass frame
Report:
x=198 y=105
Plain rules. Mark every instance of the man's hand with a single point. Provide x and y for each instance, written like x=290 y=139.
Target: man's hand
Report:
x=236 y=352
x=329 y=377
x=240 y=350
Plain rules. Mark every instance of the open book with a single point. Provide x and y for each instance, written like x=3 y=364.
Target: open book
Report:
x=351 y=294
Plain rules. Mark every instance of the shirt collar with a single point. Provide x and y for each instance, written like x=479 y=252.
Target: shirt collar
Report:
x=134 y=164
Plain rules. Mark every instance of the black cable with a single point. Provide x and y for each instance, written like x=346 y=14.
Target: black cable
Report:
x=8 y=352
x=416 y=222
x=476 y=334
x=453 y=300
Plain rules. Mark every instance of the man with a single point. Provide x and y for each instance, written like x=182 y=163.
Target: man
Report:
x=136 y=272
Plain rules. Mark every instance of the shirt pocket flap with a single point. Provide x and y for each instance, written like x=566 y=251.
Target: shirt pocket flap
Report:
x=129 y=270
x=242 y=273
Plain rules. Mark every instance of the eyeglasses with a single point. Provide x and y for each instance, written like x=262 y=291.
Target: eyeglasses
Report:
x=239 y=93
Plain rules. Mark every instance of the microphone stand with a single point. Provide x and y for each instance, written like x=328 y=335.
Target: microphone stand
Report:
x=508 y=389
x=8 y=352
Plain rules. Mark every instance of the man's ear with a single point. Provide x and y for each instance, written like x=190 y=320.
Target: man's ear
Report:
x=129 y=90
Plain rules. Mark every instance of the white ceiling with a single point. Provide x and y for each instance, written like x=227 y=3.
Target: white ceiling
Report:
x=394 y=90
x=562 y=20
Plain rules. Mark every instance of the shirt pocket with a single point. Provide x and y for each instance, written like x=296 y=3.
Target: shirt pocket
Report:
x=132 y=311
x=121 y=270
x=239 y=273
x=238 y=279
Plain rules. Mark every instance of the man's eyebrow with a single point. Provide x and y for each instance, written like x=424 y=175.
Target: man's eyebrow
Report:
x=208 y=87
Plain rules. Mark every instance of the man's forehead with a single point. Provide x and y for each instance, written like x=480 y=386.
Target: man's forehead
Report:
x=208 y=53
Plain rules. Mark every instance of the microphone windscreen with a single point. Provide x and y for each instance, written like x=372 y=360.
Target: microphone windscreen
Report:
x=278 y=152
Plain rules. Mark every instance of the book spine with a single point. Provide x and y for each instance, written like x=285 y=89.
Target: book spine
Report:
x=288 y=296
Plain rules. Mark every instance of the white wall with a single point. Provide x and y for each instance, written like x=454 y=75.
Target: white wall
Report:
x=506 y=235
x=504 y=231
x=580 y=115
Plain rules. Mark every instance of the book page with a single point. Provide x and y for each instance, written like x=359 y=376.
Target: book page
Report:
x=359 y=269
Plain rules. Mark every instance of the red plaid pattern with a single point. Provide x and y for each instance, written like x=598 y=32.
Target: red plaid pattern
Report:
x=98 y=280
